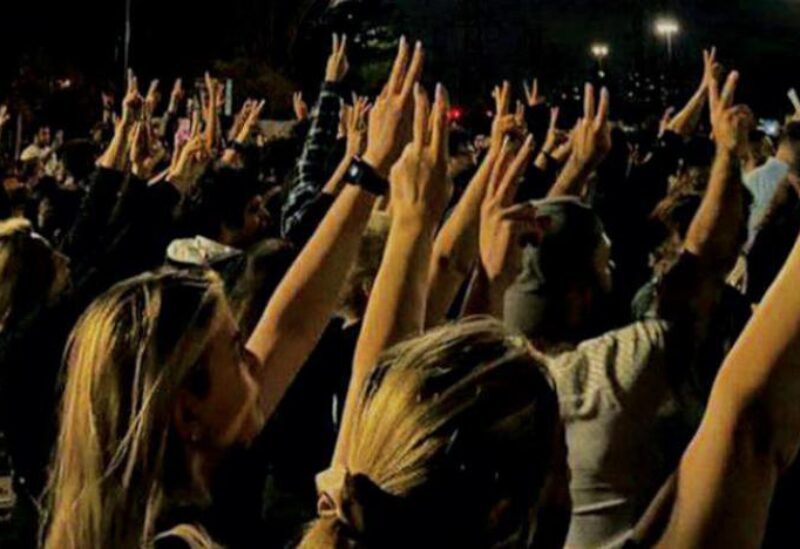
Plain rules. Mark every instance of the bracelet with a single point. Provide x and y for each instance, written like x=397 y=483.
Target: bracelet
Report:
x=363 y=175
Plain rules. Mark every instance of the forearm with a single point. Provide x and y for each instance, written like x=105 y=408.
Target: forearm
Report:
x=115 y=156
x=336 y=181
x=396 y=309
x=713 y=235
x=302 y=305
x=571 y=181
x=685 y=122
x=310 y=168
x=456 y=248
x=750 y=432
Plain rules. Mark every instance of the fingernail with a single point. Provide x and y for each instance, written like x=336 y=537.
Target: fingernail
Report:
x=419 y=44
x=439 y=91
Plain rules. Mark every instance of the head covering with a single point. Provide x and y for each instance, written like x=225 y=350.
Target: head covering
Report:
x=562 y=259
x=200 y=252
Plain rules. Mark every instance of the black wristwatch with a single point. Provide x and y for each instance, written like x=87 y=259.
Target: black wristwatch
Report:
x=363 y=175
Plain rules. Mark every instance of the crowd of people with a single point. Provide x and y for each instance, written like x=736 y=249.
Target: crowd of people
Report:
x=379 y=328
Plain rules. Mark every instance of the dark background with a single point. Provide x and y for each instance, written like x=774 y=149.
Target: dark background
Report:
x=271 y=47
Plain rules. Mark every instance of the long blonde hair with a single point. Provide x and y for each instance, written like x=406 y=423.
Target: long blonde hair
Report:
x=451 y=428
x=116 y=459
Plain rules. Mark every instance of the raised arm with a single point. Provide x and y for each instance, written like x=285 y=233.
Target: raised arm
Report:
x=420 y=192
x=722 y=203
x=311 y=176
x=750 y=432
x=502 y=225
x=685 y=122
x=456 y=248
x=591 y=143
x=303 y=303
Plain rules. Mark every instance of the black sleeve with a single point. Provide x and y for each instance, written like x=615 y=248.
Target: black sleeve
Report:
x=95 y=214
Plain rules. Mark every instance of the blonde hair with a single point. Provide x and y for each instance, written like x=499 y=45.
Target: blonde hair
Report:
x=27 y=271
x=116 y=459
x=451 y=427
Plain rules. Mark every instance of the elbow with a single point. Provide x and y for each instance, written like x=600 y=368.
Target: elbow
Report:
x=766 y=435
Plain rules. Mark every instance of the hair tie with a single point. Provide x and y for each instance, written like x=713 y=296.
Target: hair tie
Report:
x=337 y=498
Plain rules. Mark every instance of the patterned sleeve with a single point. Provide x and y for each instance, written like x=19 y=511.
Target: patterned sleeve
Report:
x=620 y=367
x=311 y=167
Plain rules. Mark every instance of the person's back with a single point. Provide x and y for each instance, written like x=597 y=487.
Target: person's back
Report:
x=627 y=421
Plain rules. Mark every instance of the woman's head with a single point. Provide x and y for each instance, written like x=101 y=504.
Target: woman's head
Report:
x=31 y=271
x=452 y=439
x=157 y=386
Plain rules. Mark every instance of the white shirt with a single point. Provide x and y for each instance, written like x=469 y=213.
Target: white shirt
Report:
x=619 y=411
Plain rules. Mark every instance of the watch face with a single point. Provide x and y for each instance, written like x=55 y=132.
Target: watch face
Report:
x=354 y=171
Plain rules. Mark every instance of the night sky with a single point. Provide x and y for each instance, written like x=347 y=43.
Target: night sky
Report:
x=548 y=37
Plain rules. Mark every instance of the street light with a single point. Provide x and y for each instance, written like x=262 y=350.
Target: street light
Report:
x=668 y=28
x=600 y=51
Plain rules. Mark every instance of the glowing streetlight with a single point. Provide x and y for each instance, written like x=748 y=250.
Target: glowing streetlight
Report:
x=668 y=27
x=600 y=51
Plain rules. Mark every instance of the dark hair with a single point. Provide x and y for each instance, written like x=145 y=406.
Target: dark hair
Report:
x=220 y=199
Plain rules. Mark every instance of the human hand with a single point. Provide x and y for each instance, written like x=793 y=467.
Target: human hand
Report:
x=250 y=120
x=532 y=93
x=355 y=125
x=176 y=96
x=337 y=66
x=300 y=106
x=504 y=123
x=551 y=140
x=591 y=140
x=133 y=102
x=189 y=164
x=731 y=123
x=419 y=184
x=152 y=99
x=711 y=68
x=502 y=222
x=389 y=127
x=4 y=116
x=146 y=151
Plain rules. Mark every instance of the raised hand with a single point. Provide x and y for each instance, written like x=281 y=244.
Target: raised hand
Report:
x=4 y=116
x=502 y=222
x=211 y=111
x=731 y=123
x=552 y=138
x=504 y=122
x=176 y=95
x=300 y=106
x=389 y=127
x=337 y=66
x=591 y=141
x=532 y=93
x=250 y=120
x=711 y=68
x=419 y=183
x=189 y=164
x=146 y=151
x=355 y=125
x=133 y=102
x=152 y=98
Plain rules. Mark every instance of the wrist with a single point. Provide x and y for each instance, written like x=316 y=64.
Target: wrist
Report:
x=413 y=220
x=378 y=163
